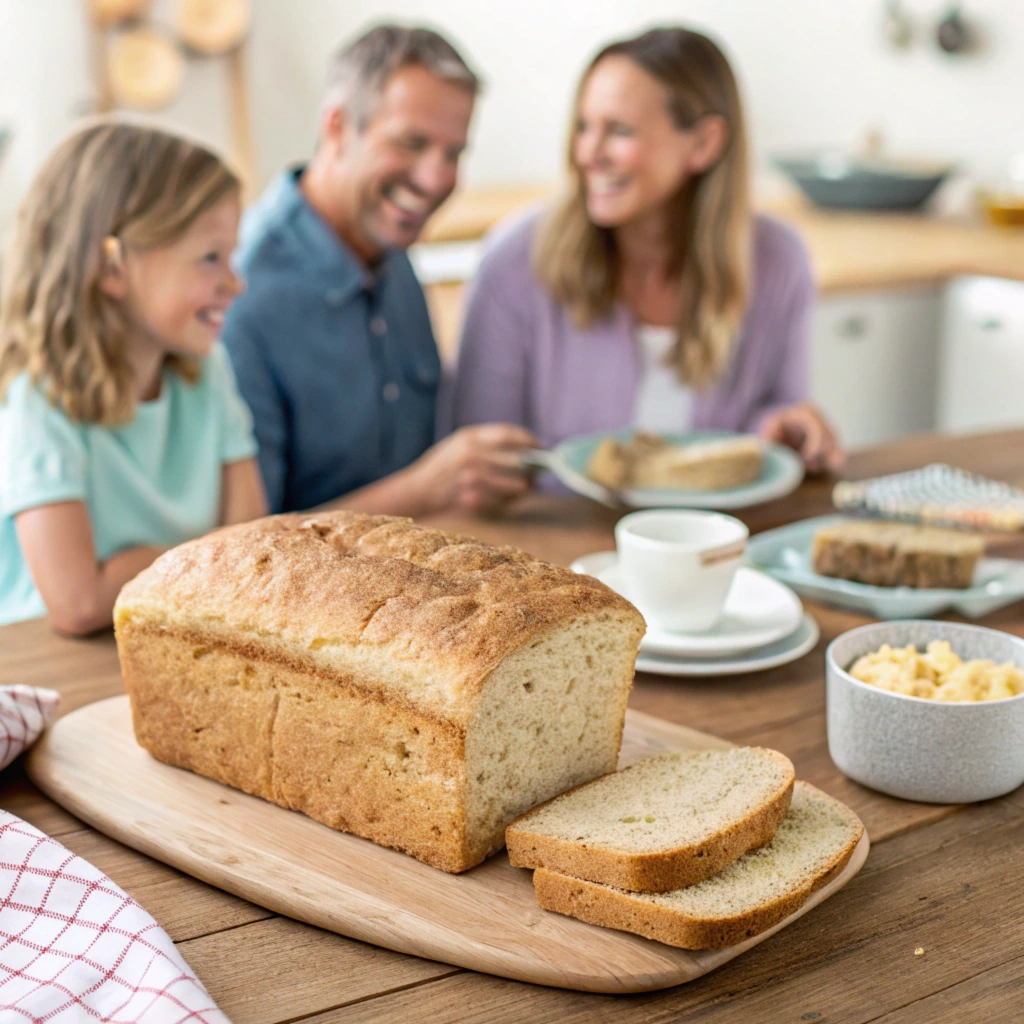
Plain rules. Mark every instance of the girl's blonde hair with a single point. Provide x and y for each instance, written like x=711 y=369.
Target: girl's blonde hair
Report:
x=132 y=183
x=709 y=218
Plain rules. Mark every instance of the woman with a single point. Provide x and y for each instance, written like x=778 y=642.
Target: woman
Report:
x=649 y=296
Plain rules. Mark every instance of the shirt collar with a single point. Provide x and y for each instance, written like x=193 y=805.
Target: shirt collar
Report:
x=323 y=250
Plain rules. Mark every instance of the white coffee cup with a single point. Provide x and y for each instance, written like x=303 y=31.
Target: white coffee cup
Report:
x=677 y=565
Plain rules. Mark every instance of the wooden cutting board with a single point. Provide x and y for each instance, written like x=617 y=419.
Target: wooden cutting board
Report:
x=486 y=919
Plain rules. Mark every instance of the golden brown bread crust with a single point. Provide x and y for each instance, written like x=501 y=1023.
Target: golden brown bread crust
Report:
x=311 y=582
x=344 y=756
x=649 y=872
x=331 y=663
x=613 y=908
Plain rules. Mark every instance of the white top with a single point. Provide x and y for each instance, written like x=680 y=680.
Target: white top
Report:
x=663 y=404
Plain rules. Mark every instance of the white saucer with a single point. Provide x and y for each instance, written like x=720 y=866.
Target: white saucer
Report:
x=758 y=611
x=782 y=652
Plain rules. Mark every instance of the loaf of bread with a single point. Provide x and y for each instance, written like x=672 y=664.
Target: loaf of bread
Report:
x=663 y=823
x=811 y=847
x=897 y=554
x=413 y=687
x=647 y=460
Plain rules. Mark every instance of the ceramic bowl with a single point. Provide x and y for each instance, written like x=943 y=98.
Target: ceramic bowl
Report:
x=920 y=749
x=839 y=181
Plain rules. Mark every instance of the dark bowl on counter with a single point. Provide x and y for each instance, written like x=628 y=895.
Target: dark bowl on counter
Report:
x=839 y=182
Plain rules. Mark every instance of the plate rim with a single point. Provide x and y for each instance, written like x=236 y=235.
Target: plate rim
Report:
x=703 y=667
x=901 y=602
x=757 y=492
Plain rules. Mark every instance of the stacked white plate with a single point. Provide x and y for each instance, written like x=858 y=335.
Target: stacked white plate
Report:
x=763 y=625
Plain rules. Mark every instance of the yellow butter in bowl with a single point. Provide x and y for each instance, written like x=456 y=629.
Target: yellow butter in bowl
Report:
x=937 y=674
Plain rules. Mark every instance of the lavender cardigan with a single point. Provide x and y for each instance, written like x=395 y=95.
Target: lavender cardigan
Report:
x=523 y=360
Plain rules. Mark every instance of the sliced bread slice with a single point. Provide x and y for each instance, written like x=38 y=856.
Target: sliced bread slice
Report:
x=664 y=822
x=813 y=844
x=897 y=554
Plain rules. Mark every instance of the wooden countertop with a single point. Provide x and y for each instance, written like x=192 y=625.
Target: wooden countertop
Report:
x=945 y=879
x=849 y=251
x=854 y=251
x=470 y=213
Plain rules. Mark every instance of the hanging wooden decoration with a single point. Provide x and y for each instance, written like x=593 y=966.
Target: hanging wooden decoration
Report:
x=113 y=12
x=142 y=67
x=145 y=69
x=213 y=27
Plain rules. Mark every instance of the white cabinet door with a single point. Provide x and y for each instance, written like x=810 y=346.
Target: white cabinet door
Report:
x=981 y=377
x=874 y=363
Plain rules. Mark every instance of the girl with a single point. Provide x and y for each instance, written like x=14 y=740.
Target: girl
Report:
x=649 y=296
x=121 y=431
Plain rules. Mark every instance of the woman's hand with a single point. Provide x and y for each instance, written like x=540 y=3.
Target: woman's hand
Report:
x=804 y=429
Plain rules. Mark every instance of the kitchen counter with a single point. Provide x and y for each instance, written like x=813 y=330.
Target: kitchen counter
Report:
x=472 y=212
x=849 y=251
x=861 y=251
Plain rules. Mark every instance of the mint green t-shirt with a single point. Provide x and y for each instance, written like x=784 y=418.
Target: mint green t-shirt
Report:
x=155 y=481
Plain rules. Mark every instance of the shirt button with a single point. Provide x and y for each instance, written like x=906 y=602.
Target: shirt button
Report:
x=378 y=325
x=335 y=297
x=391 y=391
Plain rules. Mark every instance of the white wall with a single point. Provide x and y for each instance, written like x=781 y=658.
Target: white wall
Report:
x=813 y=71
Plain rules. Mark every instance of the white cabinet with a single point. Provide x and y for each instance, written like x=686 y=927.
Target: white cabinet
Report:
x=981 y=375
x=874 y=363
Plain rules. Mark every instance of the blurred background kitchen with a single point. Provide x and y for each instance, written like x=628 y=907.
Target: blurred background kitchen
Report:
x=920 y=324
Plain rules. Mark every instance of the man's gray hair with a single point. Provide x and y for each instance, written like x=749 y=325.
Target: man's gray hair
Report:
x=359 y=72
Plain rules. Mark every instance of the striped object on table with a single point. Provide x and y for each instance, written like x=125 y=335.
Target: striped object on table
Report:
x=25 y=711
x=74 y=946
x=937 y=495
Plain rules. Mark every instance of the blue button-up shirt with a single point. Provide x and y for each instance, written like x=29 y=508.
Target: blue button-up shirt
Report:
x=338 y=364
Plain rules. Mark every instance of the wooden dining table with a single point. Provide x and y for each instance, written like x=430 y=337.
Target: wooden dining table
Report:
x=930 y=930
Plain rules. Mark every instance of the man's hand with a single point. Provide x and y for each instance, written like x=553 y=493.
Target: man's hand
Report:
x=476 y=469
x=804 y=429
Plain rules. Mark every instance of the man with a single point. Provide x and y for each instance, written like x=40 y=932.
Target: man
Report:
x=331 y=343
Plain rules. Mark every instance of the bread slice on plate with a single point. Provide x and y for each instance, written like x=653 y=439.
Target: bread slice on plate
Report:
x=897 y=554
x=649 y=460
x=811 y=847
x=703 y=466
x=663 y=823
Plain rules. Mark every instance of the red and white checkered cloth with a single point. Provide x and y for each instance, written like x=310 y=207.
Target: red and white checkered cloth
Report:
x=24 y=713
x=74 y=946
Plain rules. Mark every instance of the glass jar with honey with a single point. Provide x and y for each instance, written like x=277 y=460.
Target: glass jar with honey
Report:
x=1003 y=203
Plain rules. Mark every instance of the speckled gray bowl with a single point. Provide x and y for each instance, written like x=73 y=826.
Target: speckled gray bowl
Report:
x=920 y=749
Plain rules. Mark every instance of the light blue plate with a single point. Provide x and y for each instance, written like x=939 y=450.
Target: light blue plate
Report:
x=781 y=474
x=785 y=553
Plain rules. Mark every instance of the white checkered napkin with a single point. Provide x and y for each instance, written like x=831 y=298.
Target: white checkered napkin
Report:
x=24 y=712
x=74 y=947
x=937 y=494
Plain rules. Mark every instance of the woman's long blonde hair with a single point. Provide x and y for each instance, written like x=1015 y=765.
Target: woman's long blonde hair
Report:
x=709 y=218
x=136 y=184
